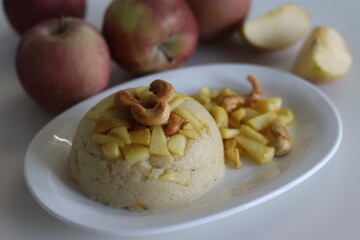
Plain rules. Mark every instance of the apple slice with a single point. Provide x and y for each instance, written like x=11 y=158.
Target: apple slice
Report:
x=324 y=57
x=278 y=28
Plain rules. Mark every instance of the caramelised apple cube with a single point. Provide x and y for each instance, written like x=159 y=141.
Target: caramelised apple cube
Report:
x=262 y=121
x=99 y=138
x=250 y=113
x=177 y=101
x=190 y=133
x=143 y=93
x=172 y=177
x=285 y=116
x=135 y=153
x=121 y=132
x=233 y=156
x=155 y=173
x=220 y=116
x=227 y=133
x=189 y=116
x=158 y=142
x=177 y=144
x=111 y=151
x=238 y=114
x=261 y=153
x=140 y=136
x=203 y=95
x=270 y=104
x=104 y=125
x=251 y=133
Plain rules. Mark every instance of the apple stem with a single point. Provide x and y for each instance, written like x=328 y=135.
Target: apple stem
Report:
x=166 y=53
x=61 y=24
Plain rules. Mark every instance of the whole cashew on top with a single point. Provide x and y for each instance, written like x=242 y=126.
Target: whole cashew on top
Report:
x=153 y=112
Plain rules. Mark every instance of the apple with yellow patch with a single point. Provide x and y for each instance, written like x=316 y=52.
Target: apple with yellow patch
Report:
x=324 y=57
x=150 y=36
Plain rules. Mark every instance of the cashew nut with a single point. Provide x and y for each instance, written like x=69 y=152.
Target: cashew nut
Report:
x=256 y=94
x=162 y=90
x=231 y=102
x=152 y=112
x=151 y=115
x=280 y=139
x=174 y=124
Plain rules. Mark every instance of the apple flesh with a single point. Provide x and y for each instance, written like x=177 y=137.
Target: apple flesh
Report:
x=150 y=36
x=324 y=57
x=24 y=14
x=61 y=62
x=278 y=28
x=218 y=18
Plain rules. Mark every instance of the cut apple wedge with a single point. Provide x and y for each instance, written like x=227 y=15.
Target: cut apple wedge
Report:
x=278 y=28
x=324 y=57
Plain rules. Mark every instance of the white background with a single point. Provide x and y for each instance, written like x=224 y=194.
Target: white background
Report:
x=325 y=206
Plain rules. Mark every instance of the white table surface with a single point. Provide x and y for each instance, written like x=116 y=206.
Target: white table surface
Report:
x=325 y=206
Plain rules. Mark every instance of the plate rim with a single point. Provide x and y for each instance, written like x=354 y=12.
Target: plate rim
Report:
x=215 y=216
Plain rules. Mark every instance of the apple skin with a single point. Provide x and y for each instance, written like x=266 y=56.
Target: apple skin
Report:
x=60 y=67
x=324 y=57
x=218 y=18
x=24 y=14
x=146 y=36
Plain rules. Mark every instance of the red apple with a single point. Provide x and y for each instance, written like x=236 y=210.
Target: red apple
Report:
x=24 y=14
x=217 y=18
x=147 y=36
x=63 y=61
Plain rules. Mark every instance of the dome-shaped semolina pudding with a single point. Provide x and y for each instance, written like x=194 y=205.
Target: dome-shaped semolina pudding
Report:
x=147 y=148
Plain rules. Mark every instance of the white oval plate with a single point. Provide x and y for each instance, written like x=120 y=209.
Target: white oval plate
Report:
x=316 y=135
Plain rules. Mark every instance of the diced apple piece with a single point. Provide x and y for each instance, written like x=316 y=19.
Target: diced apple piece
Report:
x=230 y=143
x=233 y=123
x=172 y=177
x=226 y=92
x=251 y=133
x=177 y=144
x=285 y=116
x=220 y=116
x=190 y=133
x=269 y=104
x=238 y=114
x=203 y=95
x=209 y=106
x=106 y=105
x=250 y=113
x=140 y=136
x=260 y=153
x=214 y=93
x=135 y=153
x=187 y=115
x=121 y=132
x=324 y=57
x=116 y=113
x=104 y=125
x=99 y=138
x=227 y=133
x=158 y=142
x=143 y=93
x=262 y=121
x=278 y=28
x=177 y=101
x=187 y=125
x=155 y=173
x=233 y=156
x=111 y=151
